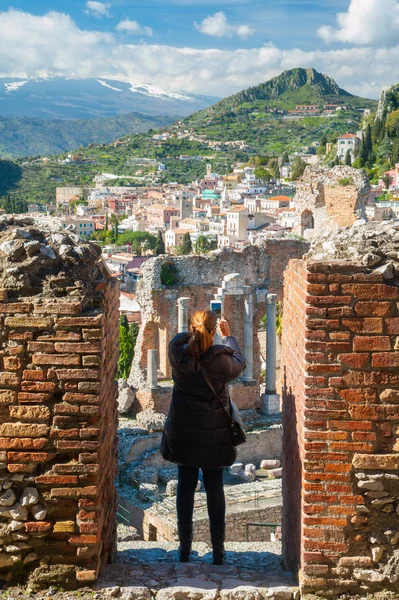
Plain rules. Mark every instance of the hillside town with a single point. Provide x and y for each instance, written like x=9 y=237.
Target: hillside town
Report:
x=232 y=210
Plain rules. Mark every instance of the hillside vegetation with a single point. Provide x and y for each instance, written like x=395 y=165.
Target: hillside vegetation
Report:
x=21 y=136
x=245 y=116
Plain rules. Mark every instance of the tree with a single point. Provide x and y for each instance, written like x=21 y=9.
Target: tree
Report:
x=348 y=158
x=395 y=153
x=378 y=130
x=203 y=244
x=298 y=168
x=393 y=123
x=386 y=178
x=160 y=245
x=324 y=140
x=126 y=351
x=187 y=246
x=262 y=174
x=285 y=159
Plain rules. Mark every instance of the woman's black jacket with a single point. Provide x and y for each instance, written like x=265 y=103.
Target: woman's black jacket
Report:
x=196 y=431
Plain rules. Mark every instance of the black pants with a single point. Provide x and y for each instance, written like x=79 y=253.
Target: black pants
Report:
x=213 y=483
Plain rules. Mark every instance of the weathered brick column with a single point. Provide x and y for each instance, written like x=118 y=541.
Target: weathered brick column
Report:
x=341 y=426
x=59 y=331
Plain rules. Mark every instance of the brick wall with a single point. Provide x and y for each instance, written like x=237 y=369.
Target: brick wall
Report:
x=58 y=435
x=341 y=423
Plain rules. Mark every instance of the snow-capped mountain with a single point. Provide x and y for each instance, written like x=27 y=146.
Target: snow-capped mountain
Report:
x=68 y=98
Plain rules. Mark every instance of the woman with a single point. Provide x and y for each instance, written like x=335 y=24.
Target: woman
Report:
x=196 y=433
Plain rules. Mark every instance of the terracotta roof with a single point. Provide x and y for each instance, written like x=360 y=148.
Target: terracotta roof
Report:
x=347 y=136
x=280 y=198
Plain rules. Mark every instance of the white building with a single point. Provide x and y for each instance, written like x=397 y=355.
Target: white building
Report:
x=237 y=223
x=348 y=142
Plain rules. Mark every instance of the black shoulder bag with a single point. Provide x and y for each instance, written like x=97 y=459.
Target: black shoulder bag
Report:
x=234 y=421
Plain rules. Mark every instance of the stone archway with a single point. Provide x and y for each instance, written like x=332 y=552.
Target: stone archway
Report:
x=307 y=220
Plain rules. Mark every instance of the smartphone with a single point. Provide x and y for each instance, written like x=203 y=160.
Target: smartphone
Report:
x=216 y=307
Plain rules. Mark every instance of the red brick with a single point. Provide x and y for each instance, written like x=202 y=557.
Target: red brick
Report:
x=393 y=325
x=66 y=322
x=33 y=375
x=369 y=291
x=56 y=359
x=57 y=479
x=40 y=347
x=38 y=526
x=16 y=308
x=323 y=368
x=325 y=300
x=84 y=540
x=85 y=398
x=352 y=446
x=59 y=308
x=341 y=336
x=354 y=360
x=39 y=386
x=363 y=325
x=385 y=359
x=340 y=311
x=22 y=443
x=351 y=425
x=359 y=395
x=11 y=363
x=360 y=436
x=35 y=398
x=39 y=457
x=372 y=343
x=82 y=348
x=372 y=309
x=326 y=435
x=77 y=374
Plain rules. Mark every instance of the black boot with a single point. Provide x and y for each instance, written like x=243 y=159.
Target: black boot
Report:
x=186 y=539
x=217 y=538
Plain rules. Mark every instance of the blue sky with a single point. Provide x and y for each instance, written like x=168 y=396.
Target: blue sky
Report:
x=286 y=23
x=202 y=46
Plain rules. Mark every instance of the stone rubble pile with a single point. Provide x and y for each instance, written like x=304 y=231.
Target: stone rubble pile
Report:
x=41 y=258
x=374 y=245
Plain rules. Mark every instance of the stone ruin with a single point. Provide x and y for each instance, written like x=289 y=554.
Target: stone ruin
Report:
x=341 y=413
x=328 y=199
x=199 y=280
x=59 y=316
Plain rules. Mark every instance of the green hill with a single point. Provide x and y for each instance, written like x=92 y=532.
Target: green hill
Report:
x=20 y=136
x=251 y=116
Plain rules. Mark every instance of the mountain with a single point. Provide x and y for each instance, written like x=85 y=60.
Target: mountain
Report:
x=235 y=129
x=253 y=115
x=68 y=98
x=24 y=136
x=297 y=86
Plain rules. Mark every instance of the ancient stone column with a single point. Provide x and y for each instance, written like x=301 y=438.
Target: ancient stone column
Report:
x=271 y=400
x=248 y=333
x=182 y=304
x=152 y=369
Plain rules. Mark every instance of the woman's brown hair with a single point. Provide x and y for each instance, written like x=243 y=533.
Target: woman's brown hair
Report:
x=203 y=322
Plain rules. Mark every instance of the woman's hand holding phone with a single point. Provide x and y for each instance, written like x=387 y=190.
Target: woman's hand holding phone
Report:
x=224 y=327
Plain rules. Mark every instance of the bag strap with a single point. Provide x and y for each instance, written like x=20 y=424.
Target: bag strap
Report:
x=209 y=382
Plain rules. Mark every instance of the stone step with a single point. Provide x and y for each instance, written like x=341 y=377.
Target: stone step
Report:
x=151 y=571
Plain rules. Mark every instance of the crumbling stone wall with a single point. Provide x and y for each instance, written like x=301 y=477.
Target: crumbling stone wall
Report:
x=59 y=345
x=198 y=278
x=330 y=198
x=341 y=414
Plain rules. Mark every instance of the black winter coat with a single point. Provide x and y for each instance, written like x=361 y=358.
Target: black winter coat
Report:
x=196 y=431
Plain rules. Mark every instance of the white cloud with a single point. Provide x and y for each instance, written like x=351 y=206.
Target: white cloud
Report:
x=53 y=44
x=218 y=26
x=134 y=28
x=366 y=22
x=97 y=9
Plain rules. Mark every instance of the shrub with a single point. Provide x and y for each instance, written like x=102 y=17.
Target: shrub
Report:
x=345 y=181
x=169 y=273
